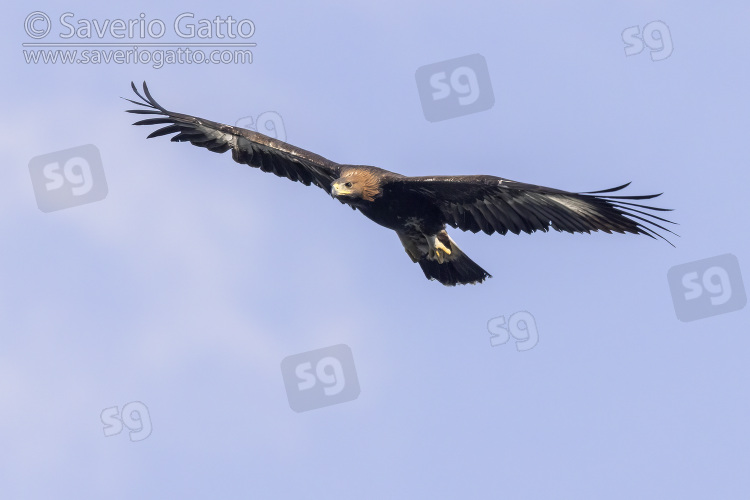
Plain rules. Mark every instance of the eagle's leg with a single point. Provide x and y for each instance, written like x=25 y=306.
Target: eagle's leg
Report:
x=438 y=251
x=410 y=246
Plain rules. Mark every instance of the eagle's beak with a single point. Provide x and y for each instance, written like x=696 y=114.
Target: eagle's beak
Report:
x=339 y=189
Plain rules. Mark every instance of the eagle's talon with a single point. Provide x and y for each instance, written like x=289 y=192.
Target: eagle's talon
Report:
x=437 y=250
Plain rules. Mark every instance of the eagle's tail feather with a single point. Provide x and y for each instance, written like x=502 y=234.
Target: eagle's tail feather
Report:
x=452 y=269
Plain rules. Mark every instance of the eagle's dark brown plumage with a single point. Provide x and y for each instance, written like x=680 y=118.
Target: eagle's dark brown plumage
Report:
x=418 y=208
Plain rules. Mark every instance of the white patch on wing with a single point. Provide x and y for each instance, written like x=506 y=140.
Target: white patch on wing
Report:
x=577 y=206
x=217 y=135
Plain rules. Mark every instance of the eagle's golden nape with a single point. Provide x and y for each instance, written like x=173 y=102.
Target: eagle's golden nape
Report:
x=357 y=184
x=418 y=209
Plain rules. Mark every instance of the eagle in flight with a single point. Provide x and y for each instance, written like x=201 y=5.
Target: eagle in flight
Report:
x=418 y=208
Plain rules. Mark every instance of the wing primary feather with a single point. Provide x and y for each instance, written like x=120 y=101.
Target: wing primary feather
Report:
x=644 y=206
x=154 y=121
x=610 y=190
x=144 y=111
x=646 y=214
x=164 y=131
x=151 y=99
x=648 y=221
x=639 y=197
x=137 y=103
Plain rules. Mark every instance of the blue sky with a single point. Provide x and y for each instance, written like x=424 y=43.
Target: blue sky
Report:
x=186 y=286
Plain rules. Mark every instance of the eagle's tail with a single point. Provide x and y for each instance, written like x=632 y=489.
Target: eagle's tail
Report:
x=442 y=260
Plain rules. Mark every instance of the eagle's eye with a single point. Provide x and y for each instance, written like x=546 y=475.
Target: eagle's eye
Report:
x=348 y=184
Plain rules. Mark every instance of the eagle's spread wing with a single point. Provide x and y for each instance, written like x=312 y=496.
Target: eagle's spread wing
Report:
x=251 y=148
x=492 y=204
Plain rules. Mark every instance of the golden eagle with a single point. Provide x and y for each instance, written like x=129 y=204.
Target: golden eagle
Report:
x=418 y=208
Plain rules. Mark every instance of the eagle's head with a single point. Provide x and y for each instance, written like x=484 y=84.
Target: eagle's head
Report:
x=356 y=186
